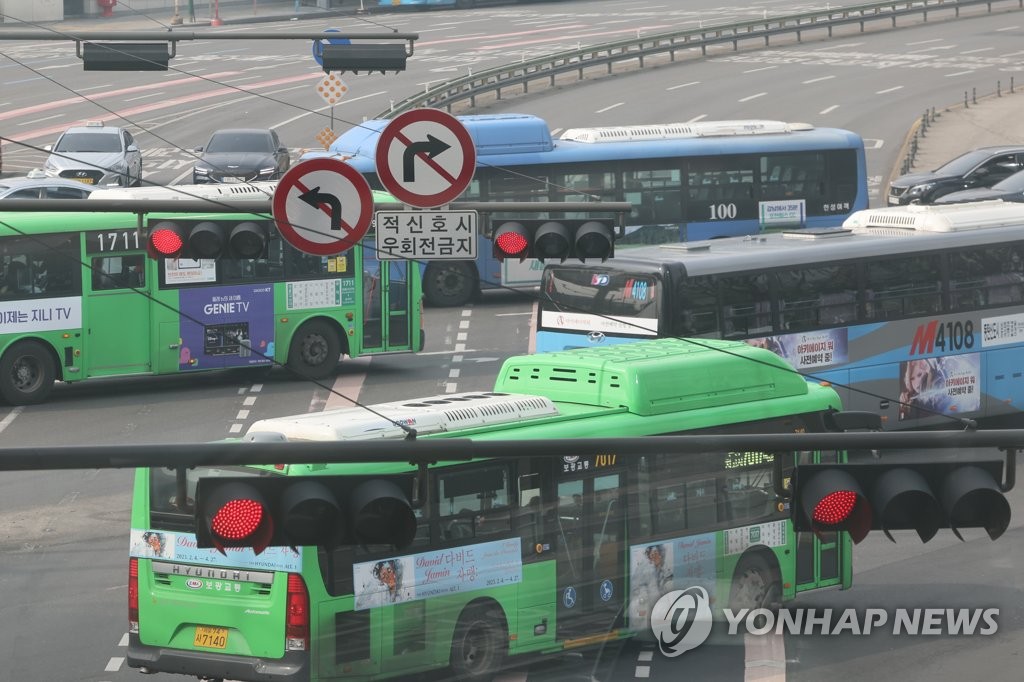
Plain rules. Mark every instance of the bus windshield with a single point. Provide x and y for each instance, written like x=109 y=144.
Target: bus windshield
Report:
x=596 y=297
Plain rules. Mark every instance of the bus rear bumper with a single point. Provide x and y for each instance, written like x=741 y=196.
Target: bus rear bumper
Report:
x=294 y=667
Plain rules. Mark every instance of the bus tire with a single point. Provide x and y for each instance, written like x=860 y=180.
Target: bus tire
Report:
x=480 y=643
x=27 y=373
x=755 y=585
x=449 y=283
x=315 y=351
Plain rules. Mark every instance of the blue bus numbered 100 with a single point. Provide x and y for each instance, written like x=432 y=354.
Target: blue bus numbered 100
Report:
x=915 y=312
x=686 y=181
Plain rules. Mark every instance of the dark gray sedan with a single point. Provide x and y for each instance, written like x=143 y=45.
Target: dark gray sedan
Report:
x=1010 y=189
x=241 y=155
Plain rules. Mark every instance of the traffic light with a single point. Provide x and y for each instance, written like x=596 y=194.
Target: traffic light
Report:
x=278 y=511
x=922 y=496
x=200 y=239
x=556 y=239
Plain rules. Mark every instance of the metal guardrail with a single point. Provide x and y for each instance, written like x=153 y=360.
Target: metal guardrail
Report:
x=606 y=55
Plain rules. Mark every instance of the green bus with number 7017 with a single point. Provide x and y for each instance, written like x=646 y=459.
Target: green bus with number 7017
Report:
x=501 y=559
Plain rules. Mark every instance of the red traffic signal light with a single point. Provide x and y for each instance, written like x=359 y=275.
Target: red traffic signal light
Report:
x=919 y=496
x=207 y=239
x=281 y=511
x=555 y=239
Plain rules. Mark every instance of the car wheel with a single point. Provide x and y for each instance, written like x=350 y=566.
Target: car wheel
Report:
x=755 y=585
x=315 y=350
x=480 y=643
x=449 y=283
x=27 y=373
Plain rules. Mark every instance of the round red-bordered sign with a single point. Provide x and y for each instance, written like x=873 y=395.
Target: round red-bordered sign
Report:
x=425 y=158
x=323 y=206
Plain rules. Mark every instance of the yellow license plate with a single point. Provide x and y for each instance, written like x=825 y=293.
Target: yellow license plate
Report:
x=210 y=638
x=85 y=181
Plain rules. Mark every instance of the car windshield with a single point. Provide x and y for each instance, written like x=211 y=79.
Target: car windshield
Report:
x=239 y=142
x=963 y=164
x=88 y=142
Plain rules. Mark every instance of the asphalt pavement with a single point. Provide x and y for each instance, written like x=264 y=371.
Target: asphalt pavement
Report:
x=948 y=131
x=206 y=14
x=959 y=127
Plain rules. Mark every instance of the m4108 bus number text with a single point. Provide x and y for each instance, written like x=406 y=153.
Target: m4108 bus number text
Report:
x=951 y=336
x=955 y=336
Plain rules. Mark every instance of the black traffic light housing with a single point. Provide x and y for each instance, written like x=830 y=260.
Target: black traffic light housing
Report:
x=920 y=496
x=356 y=57
x=205 y=239
x=125 y=56
x=293 y=511
x=554 y=239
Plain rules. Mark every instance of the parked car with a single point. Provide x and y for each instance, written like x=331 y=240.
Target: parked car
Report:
x=96 y=154
x=241 y=155
x=38 y=185
x=979 y=168
x=1010 y=189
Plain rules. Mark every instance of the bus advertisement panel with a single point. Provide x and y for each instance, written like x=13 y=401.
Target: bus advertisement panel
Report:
x=506 y=558
x=686 y=181
x=914 y=312
x=81 y=297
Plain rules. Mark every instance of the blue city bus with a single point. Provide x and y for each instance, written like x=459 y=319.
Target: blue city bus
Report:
x=915 y=312
x=686 y=181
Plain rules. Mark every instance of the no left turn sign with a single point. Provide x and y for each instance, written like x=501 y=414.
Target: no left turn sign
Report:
x=322 y=206
x=425 y=158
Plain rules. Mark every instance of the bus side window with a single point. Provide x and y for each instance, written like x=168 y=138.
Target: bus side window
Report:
x=530 y=515
x=474 y=501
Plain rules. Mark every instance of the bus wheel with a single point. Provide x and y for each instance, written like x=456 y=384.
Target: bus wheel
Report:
x=315 y=350
x=755 y=585
x=27 y=373
x=479 y=644
x=449 y=283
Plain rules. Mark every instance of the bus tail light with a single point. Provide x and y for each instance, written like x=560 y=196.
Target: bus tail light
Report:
x=133 y=595
x=296 y=630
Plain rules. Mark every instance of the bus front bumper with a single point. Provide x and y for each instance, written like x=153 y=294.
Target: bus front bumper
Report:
x=294 y=667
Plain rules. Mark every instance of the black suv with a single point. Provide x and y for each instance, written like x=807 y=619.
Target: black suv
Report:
x=982 y=167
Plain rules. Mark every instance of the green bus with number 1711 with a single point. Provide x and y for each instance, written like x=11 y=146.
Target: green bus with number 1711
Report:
x=80 y=297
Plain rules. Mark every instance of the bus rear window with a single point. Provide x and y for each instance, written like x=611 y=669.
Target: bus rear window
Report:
x=169 y=509
x=600 y=291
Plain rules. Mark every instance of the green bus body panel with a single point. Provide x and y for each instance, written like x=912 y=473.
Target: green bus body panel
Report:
x=123 y=333
x=660 y=377
x=635 y=390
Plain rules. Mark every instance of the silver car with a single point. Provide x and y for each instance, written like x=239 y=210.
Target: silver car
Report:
x=38 y=186
x=97 y=155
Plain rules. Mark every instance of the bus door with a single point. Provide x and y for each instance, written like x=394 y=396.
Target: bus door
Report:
x=819 y=556
x=590 y=551
x=387 y=306
x=116 y=318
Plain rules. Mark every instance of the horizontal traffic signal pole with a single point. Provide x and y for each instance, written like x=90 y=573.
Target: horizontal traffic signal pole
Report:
x=186 y=205
x=175 y=35
x=462 y=449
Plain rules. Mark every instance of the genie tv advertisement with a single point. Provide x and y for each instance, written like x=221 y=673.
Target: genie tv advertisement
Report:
x=231 y=326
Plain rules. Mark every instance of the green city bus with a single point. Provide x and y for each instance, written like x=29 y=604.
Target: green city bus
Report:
x=80 y=298
x=508 y=558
